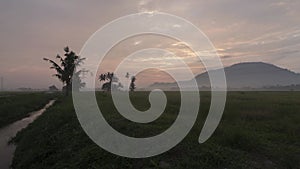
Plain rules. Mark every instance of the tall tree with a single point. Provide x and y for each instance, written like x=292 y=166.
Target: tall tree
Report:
x=106 y=77
x=112 y=80
x=66 y=68
x=127 y=75
x=132 y=84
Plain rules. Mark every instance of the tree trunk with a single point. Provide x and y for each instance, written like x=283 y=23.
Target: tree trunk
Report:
x=68 y=87
x=67 y=91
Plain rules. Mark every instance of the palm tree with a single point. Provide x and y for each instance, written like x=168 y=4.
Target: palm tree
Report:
x=127 y=77
x=104 y=77
x=112 y=80
x=132 y=84
x=66 y=68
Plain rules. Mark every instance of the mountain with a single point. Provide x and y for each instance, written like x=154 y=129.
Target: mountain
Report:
x=246 y=75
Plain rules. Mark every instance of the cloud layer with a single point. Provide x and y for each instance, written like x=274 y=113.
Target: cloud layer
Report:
x=242 y=31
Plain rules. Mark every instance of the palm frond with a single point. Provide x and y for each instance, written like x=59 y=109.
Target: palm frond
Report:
x=55 y=66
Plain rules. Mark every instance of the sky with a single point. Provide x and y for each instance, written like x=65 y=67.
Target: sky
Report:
x=240 y=30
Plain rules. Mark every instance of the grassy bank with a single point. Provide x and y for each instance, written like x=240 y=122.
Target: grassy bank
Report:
x=258 y=130
x=16 y=105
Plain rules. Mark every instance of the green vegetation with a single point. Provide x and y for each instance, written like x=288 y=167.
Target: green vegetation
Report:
x=17 y=105
x=66 y=70
x=258 y=130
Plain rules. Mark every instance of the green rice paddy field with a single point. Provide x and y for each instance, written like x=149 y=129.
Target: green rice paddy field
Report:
x=258 y=130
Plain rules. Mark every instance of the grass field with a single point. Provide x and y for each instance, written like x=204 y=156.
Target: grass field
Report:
x=16 y=105
x=258 y=130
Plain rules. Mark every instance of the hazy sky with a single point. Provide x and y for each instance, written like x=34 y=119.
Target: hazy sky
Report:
x=241 y=30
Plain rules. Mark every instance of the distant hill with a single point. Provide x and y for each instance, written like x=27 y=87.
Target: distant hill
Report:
x=246 y=75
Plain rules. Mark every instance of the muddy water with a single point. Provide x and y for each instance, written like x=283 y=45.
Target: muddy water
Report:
x=6 y=133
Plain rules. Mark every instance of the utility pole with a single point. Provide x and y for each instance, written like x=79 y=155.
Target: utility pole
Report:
x=2 y=84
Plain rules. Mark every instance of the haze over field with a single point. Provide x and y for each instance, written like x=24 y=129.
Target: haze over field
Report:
x=241 y=31
x=255 y=75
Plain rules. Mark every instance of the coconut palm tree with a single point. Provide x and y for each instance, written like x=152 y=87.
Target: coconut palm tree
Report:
x=66 y=68
x=104 y=77
x=132 y=84
x=112 y=80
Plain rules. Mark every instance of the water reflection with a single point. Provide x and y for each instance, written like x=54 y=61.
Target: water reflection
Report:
x=6 y=133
